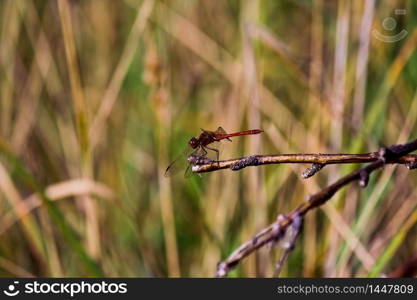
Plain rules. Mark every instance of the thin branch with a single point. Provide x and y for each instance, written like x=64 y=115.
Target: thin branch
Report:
x=204 y=164
x=275 y=232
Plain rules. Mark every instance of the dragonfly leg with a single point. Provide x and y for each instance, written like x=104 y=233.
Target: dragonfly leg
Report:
x=202 y=153
x=217 y=154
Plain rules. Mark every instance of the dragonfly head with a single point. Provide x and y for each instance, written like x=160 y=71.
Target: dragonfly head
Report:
x=193 y=142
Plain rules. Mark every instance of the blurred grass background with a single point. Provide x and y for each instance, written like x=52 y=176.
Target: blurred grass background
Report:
x=96 y=97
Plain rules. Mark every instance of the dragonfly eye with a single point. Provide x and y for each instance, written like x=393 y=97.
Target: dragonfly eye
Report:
x=193 y=143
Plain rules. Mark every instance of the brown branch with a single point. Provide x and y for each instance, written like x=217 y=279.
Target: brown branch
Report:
x=204 y=164
x=275 y=231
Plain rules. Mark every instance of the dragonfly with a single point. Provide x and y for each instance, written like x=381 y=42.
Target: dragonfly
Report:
x=199 y=146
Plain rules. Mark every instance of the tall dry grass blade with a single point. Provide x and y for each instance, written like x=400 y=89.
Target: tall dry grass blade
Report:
x=10 y=30
x=159 y=98
x=338 y=102
x=127 y=55
x=54 y=257
x=254 y=190
x=30 y=227
x=38 y=39
x=79 y=103
x=26 y=116
x=364 y=32
x=315 y=84
x=80 y=110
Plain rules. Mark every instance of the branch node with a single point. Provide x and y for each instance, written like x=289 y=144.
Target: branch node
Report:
x=294 y=231
x=389 y=154
x=315 y=167
x=363 y=178
x=411 y=165
x=277 y=231
x=297 y=221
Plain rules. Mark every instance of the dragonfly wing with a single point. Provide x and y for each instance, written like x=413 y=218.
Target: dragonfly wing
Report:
x=188 y=172
x=199 y=152
x=173 y=167
x=178 y=164
x=220 y=130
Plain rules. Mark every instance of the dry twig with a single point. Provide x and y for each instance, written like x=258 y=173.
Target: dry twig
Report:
x=318 y=161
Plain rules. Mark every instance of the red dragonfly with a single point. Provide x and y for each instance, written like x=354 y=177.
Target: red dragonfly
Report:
x=199 y=146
